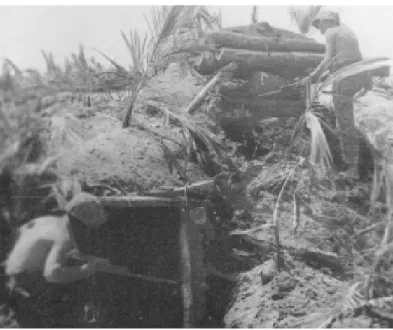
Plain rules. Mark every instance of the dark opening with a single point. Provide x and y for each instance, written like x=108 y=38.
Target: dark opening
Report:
x=247 y=133
x=146 y=240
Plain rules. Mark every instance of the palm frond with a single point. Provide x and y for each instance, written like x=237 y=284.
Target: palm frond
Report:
x=167 y=21
x=17 y=71
x=303 y=16
x=219 y=19
x=118 y=67
x=357 y=68
x=320 y=152
x=137 y=49
x=206 y=19
x=201 y=142
x=254 y=15
x=51 y=67
x=82 y=57
x=65 y=133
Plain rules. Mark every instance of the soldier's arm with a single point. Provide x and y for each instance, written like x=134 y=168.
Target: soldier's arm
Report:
x=330 y=52
x=56 y=270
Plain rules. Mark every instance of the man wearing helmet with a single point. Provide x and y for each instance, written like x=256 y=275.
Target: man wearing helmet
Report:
x=43 y=259
x=43 y=243
x=342 y=49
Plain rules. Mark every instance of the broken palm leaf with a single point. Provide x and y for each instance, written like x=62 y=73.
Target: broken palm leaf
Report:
x=119 y=68
x=320 y=152
x=357 y=68
x=204 y=144
x=172 y=162
x=303 y=16
x=66 y=132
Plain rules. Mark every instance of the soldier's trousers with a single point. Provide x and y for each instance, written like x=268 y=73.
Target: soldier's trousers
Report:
x=343 y=92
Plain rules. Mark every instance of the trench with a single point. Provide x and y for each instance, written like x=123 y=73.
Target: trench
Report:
x=146 y=240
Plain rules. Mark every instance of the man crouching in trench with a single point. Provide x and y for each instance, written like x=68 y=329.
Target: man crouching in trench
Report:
x=38 y=265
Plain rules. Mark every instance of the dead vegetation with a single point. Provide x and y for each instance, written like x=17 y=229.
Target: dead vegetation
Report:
x=306 y=240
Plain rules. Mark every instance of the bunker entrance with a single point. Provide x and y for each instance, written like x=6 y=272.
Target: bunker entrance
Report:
x=146 y=241
x=162 y=242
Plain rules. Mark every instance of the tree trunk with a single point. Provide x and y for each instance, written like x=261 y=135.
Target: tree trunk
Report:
x=262 y=43
x=288 y=65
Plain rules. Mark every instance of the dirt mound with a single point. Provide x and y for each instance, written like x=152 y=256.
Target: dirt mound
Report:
x=176 y=87
x=133 y=156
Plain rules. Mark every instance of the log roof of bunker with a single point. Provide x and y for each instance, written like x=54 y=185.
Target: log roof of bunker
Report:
x=259 y=48
x=266 y=30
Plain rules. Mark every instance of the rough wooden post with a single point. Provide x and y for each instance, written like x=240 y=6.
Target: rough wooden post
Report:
x=198 y=100
x=186 y=275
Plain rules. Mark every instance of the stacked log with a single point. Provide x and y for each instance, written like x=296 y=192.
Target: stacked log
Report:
x=266 y=60
x=288 y=65
x=262 y=43
x=261 y=47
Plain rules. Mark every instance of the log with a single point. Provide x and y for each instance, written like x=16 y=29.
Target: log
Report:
x=198 y=190
x=266 y=30
x=288 y=65
x=223 y=74
x=140 y=201
x=262 y=43
x=260 y=108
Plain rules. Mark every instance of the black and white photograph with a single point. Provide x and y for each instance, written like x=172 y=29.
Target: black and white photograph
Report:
x=196 y=166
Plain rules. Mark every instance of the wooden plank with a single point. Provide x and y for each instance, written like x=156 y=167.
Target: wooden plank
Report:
x=186 y=275
x=199 y=190
x=141 y=201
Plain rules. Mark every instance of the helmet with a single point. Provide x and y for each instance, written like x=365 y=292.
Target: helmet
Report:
x=88 y=209
x=326 y=15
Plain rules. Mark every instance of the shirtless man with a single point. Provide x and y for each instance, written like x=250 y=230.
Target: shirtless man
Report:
x=43 y=243
x=342 y=49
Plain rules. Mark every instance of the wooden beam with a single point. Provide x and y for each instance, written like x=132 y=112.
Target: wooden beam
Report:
x=199 y=190
x=225 y=73
x=288 y=65
x=262 y=43
x=186 y=275
x=141 y=201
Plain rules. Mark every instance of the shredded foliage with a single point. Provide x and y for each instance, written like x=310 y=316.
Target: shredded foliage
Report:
x=303 y=16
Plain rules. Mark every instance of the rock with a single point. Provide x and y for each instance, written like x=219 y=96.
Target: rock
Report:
x=267 y=271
